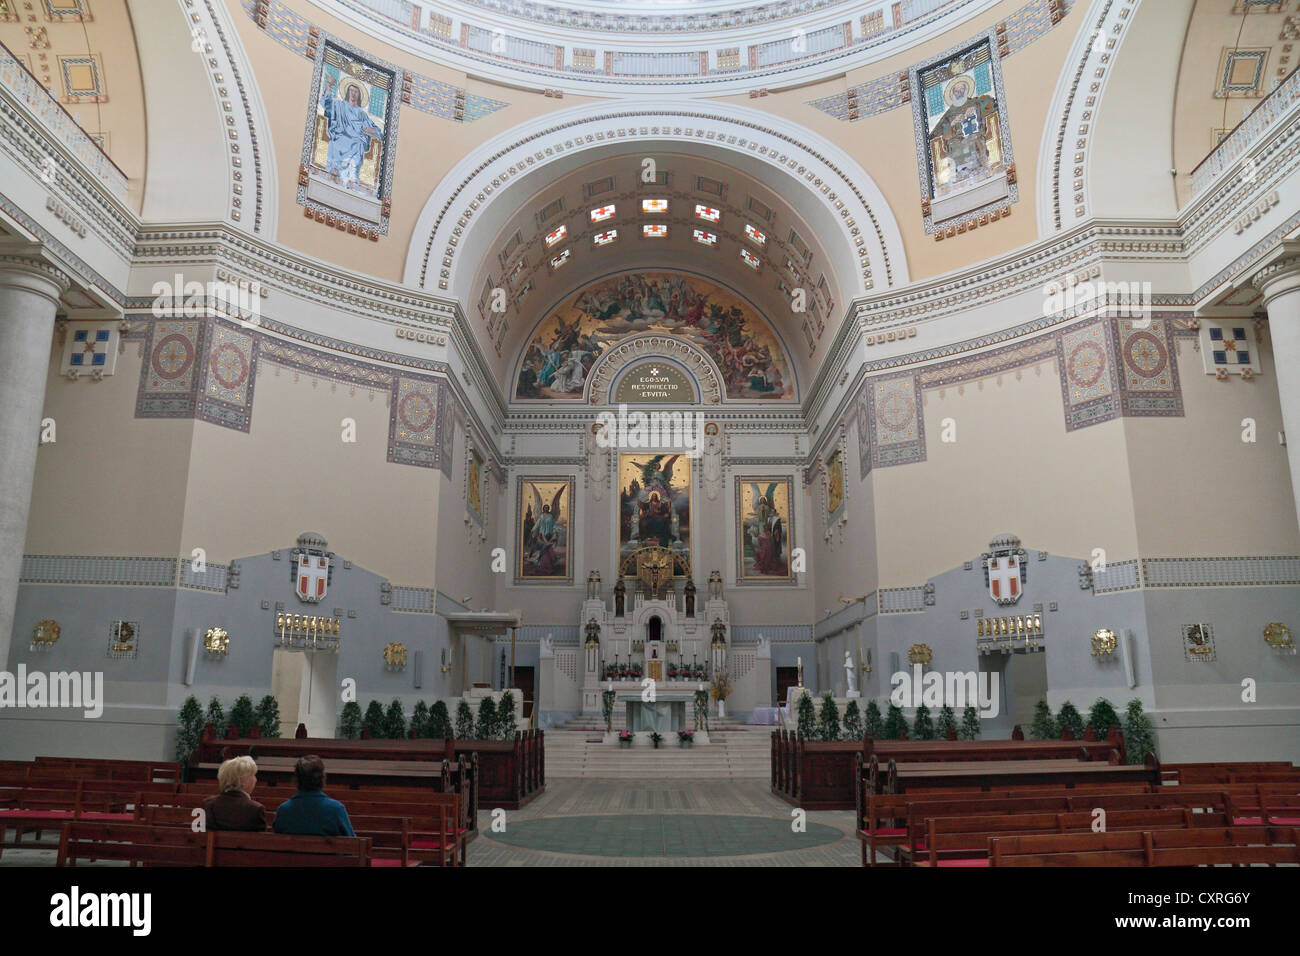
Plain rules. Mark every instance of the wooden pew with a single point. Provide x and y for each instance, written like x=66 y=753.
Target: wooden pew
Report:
x=47 y=807
x=1203 y=846
x=1219 y=772
x=897 y=821
x=1004 y=774
x=105 y=768
x=134 y=843
x=231 y=848
x=964 y=840
x=434 y=835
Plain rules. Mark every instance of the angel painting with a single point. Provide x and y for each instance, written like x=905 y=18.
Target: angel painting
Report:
x=654 y=502
x=543 y=544
x=764 y=522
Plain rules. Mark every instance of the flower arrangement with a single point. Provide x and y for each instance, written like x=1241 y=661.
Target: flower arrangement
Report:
x=721 y=687
x=673 y=672
x=686 y=735
x=656 y=738
x=625 y=735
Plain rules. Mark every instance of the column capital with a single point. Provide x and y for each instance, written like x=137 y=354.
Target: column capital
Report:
x=34 y=274
x=1280 y=273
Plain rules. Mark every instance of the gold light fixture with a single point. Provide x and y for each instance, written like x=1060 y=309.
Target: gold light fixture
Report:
x=920 y=654
x=1104 y=642
x=395 y=656
x=216 y=642
x=1278 y=636
x=307 y=631
x=45 y=634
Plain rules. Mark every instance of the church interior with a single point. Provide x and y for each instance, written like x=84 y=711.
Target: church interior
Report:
x=697 y=432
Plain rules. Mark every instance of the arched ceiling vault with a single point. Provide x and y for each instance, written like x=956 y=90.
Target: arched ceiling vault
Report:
x=815 y=221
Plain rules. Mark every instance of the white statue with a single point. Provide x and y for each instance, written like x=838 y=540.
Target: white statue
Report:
x=548 y=647
x=850 y=678
x=597 y=462
x=712 y=460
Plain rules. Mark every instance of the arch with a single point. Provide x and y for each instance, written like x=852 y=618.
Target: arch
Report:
x=821 y=181
x=610 y=367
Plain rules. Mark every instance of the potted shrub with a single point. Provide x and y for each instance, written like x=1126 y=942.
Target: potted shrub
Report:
x=852 y=721
x=485 y=728
x=242 y=714
x=373 y=724
x=268 y=716
x=828 y=722
x=350 y=721
x=806 y=723
x=189 y=728
x=686 y=738
x=464 y=720
x=439 y=721
x=506 y=717
x=1139 y=733
x=624 y=739
x=970 y=723
x=656 y=738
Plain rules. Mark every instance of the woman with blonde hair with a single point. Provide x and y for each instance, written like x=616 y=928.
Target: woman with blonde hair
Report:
x=234 y=807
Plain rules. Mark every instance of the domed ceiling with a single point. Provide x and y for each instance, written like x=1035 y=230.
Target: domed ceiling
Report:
x=603 y=46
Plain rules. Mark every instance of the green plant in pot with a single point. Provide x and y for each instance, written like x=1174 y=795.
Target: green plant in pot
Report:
x=189 y=728
x=686 y=738
x=625 y=739
x=656 y=738
x=607 y=707
x=464 y=721
x=350 y=721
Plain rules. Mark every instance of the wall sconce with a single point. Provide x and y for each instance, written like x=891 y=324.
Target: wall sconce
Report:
x=216 y=642
x=444 y=666
x=1104 y=642
x=45 y=634
x=1278 y=636
x=395 y=656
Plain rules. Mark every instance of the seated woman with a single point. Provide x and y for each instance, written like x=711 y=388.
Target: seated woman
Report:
x=309 y=812
x=234 y=808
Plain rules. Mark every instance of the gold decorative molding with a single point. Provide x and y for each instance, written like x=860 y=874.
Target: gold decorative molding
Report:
x=45 y=634
x=395 y=656
x=1278 y=636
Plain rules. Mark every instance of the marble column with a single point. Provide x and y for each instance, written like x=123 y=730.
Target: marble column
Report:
x=29 y=295
x=1279 y=282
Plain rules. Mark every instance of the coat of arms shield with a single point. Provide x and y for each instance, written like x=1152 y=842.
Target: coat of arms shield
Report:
x=1004 y=569
x=312 y=576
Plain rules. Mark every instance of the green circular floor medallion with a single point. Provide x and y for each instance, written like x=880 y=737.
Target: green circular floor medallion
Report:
x=663 y=835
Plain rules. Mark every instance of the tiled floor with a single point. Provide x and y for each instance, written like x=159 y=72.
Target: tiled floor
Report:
x=618 y=823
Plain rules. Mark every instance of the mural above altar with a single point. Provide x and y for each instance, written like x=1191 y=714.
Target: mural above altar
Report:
x=568 y=343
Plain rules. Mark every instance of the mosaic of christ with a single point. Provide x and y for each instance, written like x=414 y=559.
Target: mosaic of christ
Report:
x=568 y=342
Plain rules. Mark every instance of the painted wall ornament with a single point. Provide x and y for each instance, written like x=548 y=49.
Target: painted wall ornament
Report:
x=655 y=504
x=1198 y=643
x=1005 y=569
x=920 y=654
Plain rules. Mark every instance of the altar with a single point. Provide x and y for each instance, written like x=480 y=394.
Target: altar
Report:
x=664 y=716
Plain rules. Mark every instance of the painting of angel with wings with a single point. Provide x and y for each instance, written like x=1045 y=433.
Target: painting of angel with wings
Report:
x=763 y=524
x=545 y=509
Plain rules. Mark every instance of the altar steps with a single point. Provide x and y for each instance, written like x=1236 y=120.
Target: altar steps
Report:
x=737 y=752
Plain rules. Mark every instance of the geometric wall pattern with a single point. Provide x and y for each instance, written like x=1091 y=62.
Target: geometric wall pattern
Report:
x=1089 y=381
x=206 y=369
x=1107 y=368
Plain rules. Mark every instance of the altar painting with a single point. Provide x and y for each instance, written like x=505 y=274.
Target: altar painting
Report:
x=654 y=503
x=963 y=123
x=763 y=528
x=545 y=512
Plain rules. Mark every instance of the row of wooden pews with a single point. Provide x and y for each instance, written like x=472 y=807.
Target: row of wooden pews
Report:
x=511 y=773
x=1153 y=823
x=133 y=811
x=826 y=775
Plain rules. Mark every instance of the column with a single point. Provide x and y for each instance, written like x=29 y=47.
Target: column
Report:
x=29 y=294
x=1279 y=282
